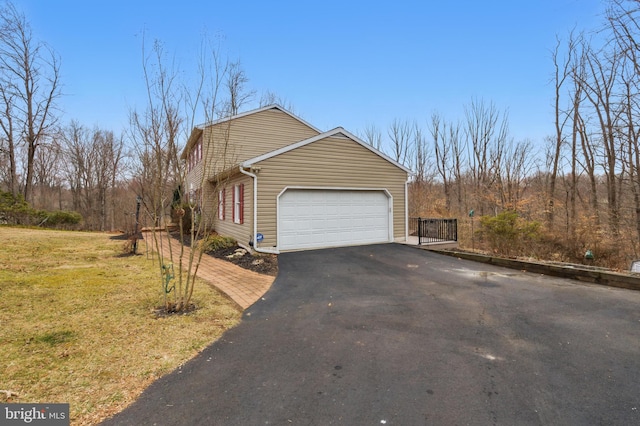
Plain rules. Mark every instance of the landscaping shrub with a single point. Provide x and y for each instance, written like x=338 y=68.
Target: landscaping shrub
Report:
x=217 y=242
x=60 y=218
x=508 y=234
x=16 y=211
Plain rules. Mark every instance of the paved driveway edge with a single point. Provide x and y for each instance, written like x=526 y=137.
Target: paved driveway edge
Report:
x=611 y=279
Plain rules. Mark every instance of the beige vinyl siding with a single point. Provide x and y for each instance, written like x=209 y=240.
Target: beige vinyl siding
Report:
x=228 y=143
x=237 y=140
x=241 y=232
x=194 y=178
x=209 y=210
x=334 y=162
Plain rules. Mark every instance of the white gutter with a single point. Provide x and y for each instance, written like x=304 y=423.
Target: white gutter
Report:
x=255 y=214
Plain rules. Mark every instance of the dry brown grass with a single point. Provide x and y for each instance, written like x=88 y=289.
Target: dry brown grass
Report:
x=78 y=323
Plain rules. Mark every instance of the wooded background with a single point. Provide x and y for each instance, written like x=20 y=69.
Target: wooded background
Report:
x=578 y=191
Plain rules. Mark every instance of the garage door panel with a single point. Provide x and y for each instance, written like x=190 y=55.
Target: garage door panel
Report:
x=330 y=218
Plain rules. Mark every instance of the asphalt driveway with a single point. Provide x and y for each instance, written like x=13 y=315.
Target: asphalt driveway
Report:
x=389 y=334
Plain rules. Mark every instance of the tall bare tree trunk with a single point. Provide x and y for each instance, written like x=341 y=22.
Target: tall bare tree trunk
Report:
x=561 y=72
x=30 y=84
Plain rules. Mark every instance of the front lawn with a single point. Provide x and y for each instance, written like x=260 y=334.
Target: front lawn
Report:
x=78 y=324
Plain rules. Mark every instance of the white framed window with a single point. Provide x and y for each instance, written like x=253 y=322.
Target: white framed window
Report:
x=195 y=155
x=238 y=204
x=221 y=203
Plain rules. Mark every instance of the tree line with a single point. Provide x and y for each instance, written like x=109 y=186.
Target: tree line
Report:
x=91 y=170
x=583 y=184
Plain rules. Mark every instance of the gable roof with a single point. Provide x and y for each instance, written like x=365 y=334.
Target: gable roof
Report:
x=339 y=132
x=198 y=129
x=255 y=111
x=194 y=136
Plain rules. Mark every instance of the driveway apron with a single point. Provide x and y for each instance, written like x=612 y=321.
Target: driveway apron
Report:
x=388 y=334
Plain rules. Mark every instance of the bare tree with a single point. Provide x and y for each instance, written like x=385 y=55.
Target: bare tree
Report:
x=373 y=136
x=517 y=164
x=458 y=149
x=562 y=69
x=75 y=160
x=421 y=164
x=9 y=141
x=400 y=135
x=30 y=82
x=47 y=175
x=632 y=137
x=155 y=132
x=486 y=132
x=573 y=160
x=442 y=151
x=588 y=149
x=270 y=98
x=107 y=151
x=449 y=157
x=623 y=18
x=236 y=85
x=91 y=163
x=599 y=84
x=211 y=151
x=162 y=179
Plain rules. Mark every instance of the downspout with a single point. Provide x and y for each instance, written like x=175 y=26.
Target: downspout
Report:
x=406 y=209
x=255 y=213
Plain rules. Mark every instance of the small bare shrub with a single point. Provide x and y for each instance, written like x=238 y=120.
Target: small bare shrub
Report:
x=217 y=242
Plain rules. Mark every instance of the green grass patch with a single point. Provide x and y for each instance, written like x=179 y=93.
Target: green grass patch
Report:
x=78 y=322
x=55 y=337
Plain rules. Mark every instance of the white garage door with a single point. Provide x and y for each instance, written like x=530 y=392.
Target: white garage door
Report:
x=311 y=218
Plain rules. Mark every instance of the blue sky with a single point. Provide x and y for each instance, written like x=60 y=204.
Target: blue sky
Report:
x=340 y=63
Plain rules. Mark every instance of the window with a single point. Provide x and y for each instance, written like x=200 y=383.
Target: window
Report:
x=195 y=155
x=221 y=203
x=238 y=204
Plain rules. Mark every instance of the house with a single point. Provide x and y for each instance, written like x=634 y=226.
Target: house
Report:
x=276 y=183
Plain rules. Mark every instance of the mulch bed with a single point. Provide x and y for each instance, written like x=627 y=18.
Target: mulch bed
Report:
x=261 y=263
x=266 y=264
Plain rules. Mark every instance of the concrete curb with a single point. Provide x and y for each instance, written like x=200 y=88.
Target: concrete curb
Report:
x=611 y=279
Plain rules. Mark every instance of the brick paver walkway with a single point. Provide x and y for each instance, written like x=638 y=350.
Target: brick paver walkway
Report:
x=243 y=286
